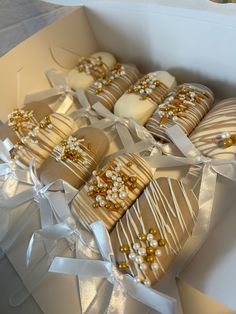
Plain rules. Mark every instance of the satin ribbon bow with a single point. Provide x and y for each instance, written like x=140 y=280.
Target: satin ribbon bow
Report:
x=9 y=167
x=86 y=111
x=51 y=200
x=124 y=127
x=59 y=87
x=210 y=169
x=123 y=285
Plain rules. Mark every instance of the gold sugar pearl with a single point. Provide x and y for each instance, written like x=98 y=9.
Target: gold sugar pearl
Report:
x=94 y=182
x=125 y=249
x=125 y=178
x=123 y=265
x=134 y=186
x=129 y=164
x=150 y=250
x=153 y=231
x=150 y=258
x=142 y=237
x=133 y=179
x=162 y=242
x=228 y=142
x=96 y=205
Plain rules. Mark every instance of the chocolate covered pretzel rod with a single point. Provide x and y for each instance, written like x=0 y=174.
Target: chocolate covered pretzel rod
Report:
x=74 y=159
x=109 y=89
x=215 y=136
x=142 y=98
x=185 y=107
x=88 y=70
x=111 y=190
x=33 y=138
x=153 y=231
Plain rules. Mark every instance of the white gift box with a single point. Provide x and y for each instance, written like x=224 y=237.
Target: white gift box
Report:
x=195 y=41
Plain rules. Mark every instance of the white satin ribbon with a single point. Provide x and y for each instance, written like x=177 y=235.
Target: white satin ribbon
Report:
x=125 y=129
x=210 y=169
x=86 y=111
x=52 y=201
x=59 y=87
x=123 y=284
x=9 y=167
x=11 y=174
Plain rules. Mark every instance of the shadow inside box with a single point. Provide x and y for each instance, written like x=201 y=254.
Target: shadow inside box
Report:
x=221 y=88
x=10 y=282
x=130 y=51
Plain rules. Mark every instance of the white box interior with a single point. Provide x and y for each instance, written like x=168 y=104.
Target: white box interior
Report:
x=193 y=45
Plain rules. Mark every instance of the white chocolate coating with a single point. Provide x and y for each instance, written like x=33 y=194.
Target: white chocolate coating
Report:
x=132 y=106
x=78 y=80
x=82 y=80
x=107 y=58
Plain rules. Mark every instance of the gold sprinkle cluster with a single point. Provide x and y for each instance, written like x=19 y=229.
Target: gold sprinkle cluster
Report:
x=21 y=120
x=144 y=253
x=26 y=128
x=117 y=71
x=73 y=150
x=110 y=187
x=145 y=86
x=178 y=102
x=225 y=139
x=92 y=66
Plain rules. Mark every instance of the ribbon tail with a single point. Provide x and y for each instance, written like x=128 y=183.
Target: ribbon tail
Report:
x=4 y=223
x=56 y=78
x=9 y=187
x=152 y=298
x=18 y=227
x=117 y=302
x=124 y=135
x=43 y=95
x=88 y=287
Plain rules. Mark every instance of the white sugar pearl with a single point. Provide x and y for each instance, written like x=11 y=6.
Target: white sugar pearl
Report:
x=122 y=204
x=114 y=178
x=109 y=191
x=139 y=259
x=98 y=198
x=91 y=188
x=224 y=135
x=147 y=282
x=136 y=246
x=108 y=173
x=122 y=195
x=114 y=189
x=102 y=203
x=153 y=243
x=132 y=255
x=142 y=251
x=114 y=195
x=100 y=185
x=137 y=279
x=158 y=253
x=143 y=267
x=154 y=266
x=149 y=237
x=119 y=179
x=116 y=184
